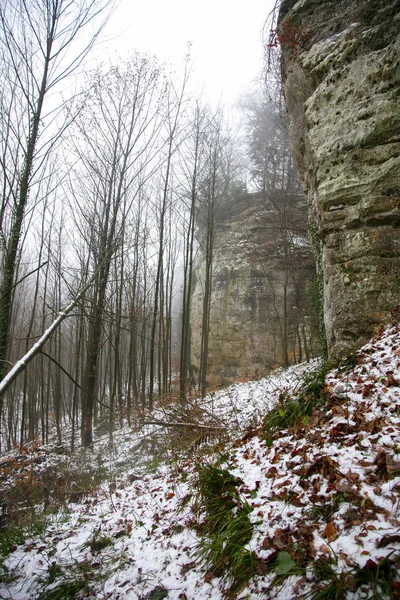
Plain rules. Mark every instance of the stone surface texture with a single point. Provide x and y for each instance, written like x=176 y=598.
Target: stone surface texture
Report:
x=342 y=91
x=254 y=263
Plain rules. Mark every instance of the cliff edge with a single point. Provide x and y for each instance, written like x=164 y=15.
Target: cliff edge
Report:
x=341 y=80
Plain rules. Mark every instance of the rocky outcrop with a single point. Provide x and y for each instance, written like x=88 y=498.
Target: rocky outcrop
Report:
x=260 y=304
x=341 y=74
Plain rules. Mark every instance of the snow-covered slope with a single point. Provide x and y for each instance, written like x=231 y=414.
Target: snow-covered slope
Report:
x=324 y=501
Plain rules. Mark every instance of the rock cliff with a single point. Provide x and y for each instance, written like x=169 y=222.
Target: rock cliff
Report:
x=341 y=78
x=260 y=306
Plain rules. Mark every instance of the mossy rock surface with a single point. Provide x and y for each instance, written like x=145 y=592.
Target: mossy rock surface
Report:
x=342 y=95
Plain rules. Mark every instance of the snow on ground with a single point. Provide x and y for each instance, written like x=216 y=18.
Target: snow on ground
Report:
x=326 y=493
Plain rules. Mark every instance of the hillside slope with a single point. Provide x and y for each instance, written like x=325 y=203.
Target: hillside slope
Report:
x=306 y=511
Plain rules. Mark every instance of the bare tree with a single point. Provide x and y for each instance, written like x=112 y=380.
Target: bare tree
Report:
x=213 y=192
x=41 y=45
x=192 y=163
x=175 y=100
x=118 y=141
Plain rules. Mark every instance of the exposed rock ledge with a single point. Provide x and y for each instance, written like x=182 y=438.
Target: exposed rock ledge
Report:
x=343 y=98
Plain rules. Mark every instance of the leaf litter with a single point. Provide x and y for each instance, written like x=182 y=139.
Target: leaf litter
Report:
x=324 y=494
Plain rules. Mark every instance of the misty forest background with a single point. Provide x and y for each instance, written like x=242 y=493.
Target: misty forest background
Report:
x=111 y=189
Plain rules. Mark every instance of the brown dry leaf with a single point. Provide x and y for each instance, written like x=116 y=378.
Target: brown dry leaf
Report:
x=396 y=589
x=390 y=380
x=263 y=565
x=312 y=551
x=324 y=465
x=283 y=483
x=272 y=472
x=365 y=463
x=266 y=543
x=297 y=451
x=338 y=411
x=296 y=500
x=299 y=584
x=353 y=477
x=388 y=539
x=342 y=486
x=347 y=559
x=370 y=564
x=330 y=532
x=317 y=486
x=368 y=388
x=380 y=460
x=276 y=457
x=392 y=465
x=280 y=540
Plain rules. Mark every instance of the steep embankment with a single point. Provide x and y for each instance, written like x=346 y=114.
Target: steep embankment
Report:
x=307 y=505
x=342 y=88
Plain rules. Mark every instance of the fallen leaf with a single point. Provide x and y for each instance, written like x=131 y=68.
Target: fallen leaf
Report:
x=276 y=457
x=285 y=563
x=338 y=411
x=342 y=486
x=392 y=465
x=263 y=565
x=388 y=539
x=330 y=532
x=271 y=473
x=266 y=543
x=370 y=564
x=390 y=380
x=300 y=583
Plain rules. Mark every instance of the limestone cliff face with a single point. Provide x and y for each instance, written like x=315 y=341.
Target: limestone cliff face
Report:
x=342 y=92
x=260 y=275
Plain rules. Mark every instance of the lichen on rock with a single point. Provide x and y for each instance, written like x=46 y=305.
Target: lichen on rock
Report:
x=343 y=99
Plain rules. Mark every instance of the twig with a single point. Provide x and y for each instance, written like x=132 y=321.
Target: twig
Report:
x=193 y=425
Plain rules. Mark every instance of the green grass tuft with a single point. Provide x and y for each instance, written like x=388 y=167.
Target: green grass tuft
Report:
x=66 y=590
x=295 y=410
x=374 y=581
x=16 y=535
x=226 y=529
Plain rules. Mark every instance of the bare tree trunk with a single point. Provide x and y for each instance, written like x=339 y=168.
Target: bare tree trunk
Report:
x=173 y=124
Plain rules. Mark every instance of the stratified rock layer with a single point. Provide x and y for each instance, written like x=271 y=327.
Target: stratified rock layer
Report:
x=343 y=98
x=259 y=300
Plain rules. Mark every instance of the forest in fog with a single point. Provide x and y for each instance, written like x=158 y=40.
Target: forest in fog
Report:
x=111 y=186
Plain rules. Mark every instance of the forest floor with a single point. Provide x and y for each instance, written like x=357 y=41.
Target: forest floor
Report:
x=296 y=496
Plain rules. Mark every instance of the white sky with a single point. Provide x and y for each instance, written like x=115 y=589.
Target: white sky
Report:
x=226 y=38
